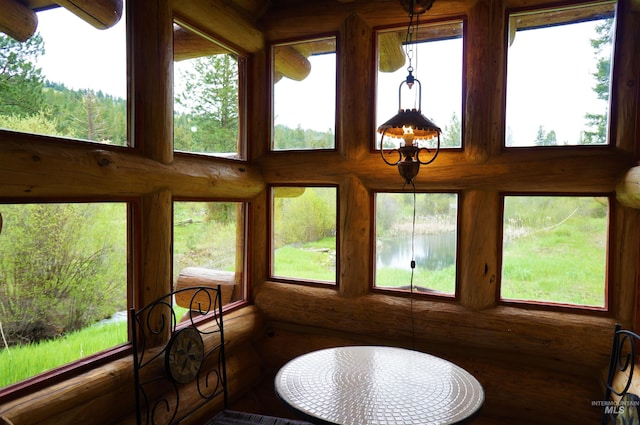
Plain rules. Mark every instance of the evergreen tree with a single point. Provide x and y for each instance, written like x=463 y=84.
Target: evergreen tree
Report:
x=451 y=133
x=597 y=134
x=91 y=123
x=211 y=97
x=545 y=138
x=21 y=80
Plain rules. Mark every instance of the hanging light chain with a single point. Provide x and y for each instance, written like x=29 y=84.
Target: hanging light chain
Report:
x=409 y=39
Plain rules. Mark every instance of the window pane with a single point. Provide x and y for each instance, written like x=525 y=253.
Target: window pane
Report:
x=555 y=249
x=432 y=244
x=207 y=108
x=208 y=246
x=437 y=63
x=69 y=79
x=63 y=284
x=558 y=77
x=304 y=95
x=304 y=233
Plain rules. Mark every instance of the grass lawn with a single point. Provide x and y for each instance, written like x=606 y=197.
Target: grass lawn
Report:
x=565 y=264
x=21 y=362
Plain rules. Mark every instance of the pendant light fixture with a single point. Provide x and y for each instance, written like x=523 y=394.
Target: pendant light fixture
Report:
x=408 y=127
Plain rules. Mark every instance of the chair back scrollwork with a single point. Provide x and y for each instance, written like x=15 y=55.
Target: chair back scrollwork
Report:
x=175 y=359
x=621 y=405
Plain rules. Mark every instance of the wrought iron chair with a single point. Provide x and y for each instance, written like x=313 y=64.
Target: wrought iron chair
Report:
x=624 y=410
x=191 y=366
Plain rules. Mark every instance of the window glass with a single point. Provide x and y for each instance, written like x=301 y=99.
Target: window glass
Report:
x=558 y=77
x=431 y=241
x=555 y=249
x=304 y=95
x=436 y=59
x=303 y=239
x=208 y=246
x=63 y=284
x=69 y=79
x=207 y=107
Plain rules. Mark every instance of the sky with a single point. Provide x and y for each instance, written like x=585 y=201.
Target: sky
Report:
x=548 y=71
x=81 y=56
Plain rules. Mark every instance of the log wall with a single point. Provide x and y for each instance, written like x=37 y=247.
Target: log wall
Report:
x=533 y=362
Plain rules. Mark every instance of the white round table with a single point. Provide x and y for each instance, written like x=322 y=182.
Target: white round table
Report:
x=367 y=385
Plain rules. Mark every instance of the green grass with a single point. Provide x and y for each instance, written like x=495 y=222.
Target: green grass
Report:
x=312 y=261
x=21 y=362
x=434 y=280
x=563 y=265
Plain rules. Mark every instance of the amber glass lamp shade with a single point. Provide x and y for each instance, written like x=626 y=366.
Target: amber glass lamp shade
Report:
x=411 y=126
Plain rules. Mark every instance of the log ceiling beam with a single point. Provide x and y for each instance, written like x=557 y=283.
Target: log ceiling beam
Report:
x=16 y=20
x=19 y=21
x=290 y=63
x=37 y=168
x=222 y=19
x=189 y=45
x=392 y=56
x=101 y=14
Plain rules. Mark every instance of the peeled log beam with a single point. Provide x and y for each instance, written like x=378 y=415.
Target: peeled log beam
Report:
x=52 y=168
x=290 y=63
x=189 y=45
x=628 y=188
x=355 y=55
x=155 y=255
x=220 y=18
x=102 y=14
x=586 y=339
x=390 y=50
x=479 y=267
x=291 y=60
x=151 y=93
x=200 y=276
x=314 y=17
x=566 y=169
x=16 y=20
x=625 y=128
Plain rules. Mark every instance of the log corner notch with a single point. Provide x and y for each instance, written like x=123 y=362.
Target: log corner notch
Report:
x=200 y=276
x=628 y=188
x=17 y=20
x=20 y=22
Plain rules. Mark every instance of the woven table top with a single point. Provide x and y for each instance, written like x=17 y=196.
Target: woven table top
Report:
x=366 y=385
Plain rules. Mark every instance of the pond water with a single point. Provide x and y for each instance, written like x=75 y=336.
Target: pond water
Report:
x=431 y=251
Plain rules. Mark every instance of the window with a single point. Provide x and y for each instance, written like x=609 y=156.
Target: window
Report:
x=208 y=108
x=69 y=79
x=303 y=238
x=431 y=241
x=558 y=76
x=555 y=249
x=208 y=246
x=437 y=63
x=63 y=284
x=304 y=95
